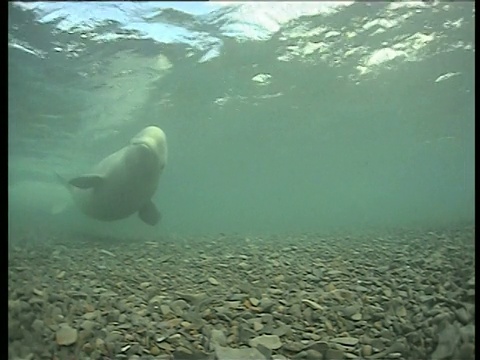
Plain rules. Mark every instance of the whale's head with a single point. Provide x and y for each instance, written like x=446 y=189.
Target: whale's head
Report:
x=146 y=153
x=152 y=140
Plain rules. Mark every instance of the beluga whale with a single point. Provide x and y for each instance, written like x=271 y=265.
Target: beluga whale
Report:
x=124 y=182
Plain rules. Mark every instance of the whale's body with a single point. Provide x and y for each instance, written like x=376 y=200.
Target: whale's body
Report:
x=124 y=182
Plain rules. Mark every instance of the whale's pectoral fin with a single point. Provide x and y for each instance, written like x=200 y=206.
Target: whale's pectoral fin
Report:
x=149 y=214
x=87 y=181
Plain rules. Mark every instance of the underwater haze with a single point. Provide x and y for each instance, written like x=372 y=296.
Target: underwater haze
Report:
x=282 y=117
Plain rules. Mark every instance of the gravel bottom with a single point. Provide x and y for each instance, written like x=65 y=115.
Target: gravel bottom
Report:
x=398 y=295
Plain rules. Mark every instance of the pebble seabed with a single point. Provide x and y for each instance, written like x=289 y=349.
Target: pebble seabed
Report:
x=406 y=294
